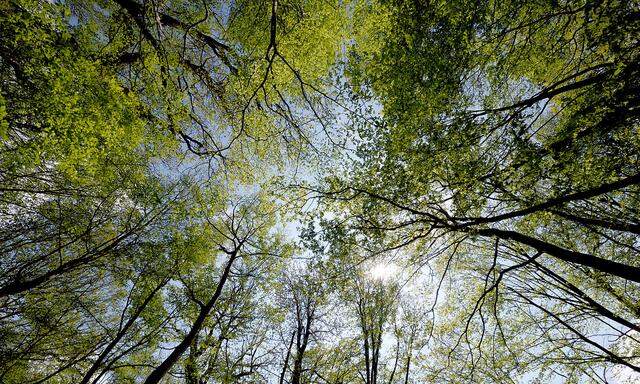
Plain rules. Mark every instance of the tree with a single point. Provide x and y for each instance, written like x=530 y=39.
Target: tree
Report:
x=116 y=119
x=156 y=157
x=302 y=296
x=504 y=149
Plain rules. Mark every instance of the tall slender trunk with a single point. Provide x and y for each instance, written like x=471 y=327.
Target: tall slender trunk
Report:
x=286 y=359
x=96 y=364
x=395 y=363
x=406 y=372
x=302 y=344
x=408 y=366
x=365 y=338
x=376 y=341
x=174 y=356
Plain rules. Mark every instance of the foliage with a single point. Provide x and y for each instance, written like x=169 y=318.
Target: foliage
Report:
x=304 y=191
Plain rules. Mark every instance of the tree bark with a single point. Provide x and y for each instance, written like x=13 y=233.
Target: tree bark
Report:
x=625 y=271
x=96 y=364
x=173 y=358
x=286 y=359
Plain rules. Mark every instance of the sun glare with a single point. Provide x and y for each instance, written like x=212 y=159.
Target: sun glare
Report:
x=383 y=271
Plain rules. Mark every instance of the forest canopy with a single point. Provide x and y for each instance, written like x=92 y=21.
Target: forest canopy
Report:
x=319 y=191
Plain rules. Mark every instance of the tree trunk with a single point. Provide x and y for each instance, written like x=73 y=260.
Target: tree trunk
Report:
x=96 y=364
x=286 y=359
x=173 y=358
